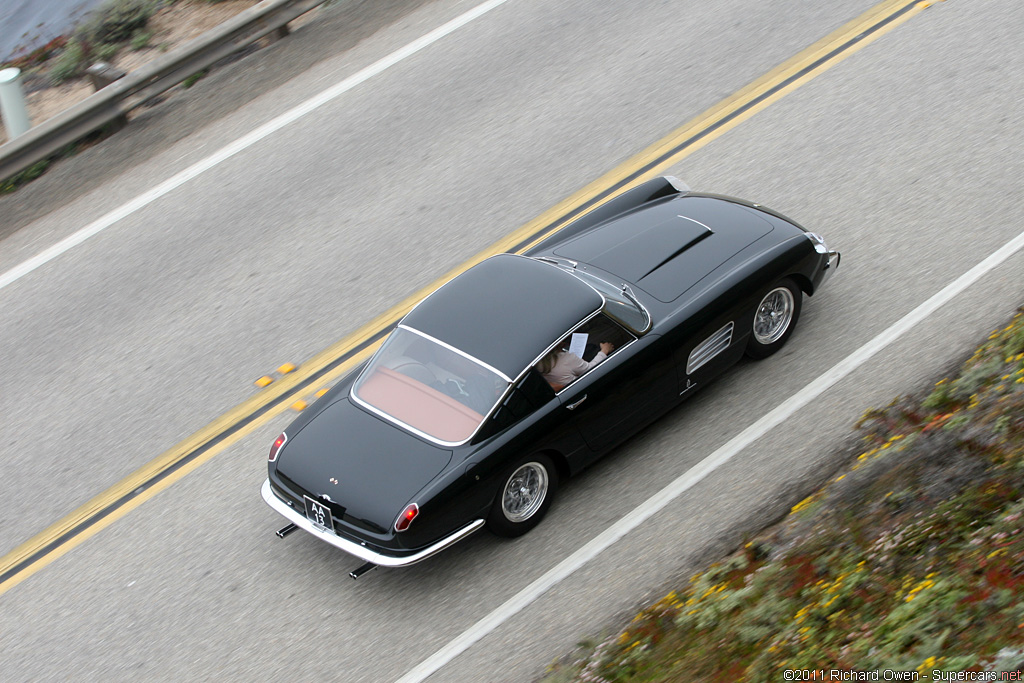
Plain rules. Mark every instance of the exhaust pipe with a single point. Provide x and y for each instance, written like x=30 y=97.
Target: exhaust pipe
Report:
x=285 y=530
x=356 y=573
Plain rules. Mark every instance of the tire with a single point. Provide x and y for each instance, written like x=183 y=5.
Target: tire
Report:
x=774 y=319
x=527 y=490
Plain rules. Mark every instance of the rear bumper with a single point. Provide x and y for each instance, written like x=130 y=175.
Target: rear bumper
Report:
x=358 y=549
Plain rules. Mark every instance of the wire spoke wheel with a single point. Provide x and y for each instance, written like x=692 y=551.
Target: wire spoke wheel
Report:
x=525 y=496
x=774 y=319
x=774 y=315
x=524 y=492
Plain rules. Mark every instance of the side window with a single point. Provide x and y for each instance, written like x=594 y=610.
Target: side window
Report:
x=531 y=393
x=601 y=329
x=535 y=390
x=578 y=353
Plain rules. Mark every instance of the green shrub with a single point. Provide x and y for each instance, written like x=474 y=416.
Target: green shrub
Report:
x=1015 y=341
x=193 y=79
x=28 y=175
x=70 y=63
x=141 y=39
x=106 y=52
x=116 y=21
x=912 y=559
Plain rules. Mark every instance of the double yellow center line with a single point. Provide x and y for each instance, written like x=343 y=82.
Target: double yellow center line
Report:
x=341 y=357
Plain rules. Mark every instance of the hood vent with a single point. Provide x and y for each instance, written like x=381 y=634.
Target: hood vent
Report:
x=705 y=233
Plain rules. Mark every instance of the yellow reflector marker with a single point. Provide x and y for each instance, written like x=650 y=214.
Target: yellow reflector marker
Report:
x=322 y=392
x=299 y=406
x=264 y=381
x=286 y=368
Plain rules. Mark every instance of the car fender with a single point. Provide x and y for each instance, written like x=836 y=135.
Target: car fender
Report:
x=658 y=189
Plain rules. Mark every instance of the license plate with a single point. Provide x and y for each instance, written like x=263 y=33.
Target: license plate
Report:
x=319 y=514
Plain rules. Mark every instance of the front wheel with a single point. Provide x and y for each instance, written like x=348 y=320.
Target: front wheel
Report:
x=525 y=496
x=774 y=319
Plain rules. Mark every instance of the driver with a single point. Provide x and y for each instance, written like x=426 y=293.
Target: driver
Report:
x=561 y=368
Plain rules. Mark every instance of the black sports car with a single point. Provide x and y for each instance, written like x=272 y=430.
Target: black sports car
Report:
x=526 y=368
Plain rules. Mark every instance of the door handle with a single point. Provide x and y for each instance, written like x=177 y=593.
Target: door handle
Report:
x=572 y=406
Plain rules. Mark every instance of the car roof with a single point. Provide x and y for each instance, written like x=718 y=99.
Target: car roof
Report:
x=505 y=310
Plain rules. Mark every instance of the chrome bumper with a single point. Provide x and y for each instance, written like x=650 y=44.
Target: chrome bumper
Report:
x=830 y=267
x=351 y=547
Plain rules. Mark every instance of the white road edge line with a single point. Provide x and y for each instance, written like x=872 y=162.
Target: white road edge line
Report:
x=706 y=466
x=244 y=142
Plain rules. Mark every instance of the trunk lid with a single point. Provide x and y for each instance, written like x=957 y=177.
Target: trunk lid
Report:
x=365 y=465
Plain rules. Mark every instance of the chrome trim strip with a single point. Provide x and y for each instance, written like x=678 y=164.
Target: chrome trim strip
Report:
x=353 y=548
x=462 y=353
x=709 y=348
x=694 y=220
x=395 y=421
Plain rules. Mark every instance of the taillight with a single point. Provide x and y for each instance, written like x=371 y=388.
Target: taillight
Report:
x=276 y=447
x=405 y=519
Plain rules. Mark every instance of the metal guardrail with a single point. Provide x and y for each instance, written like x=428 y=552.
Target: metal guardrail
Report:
x=113 y=102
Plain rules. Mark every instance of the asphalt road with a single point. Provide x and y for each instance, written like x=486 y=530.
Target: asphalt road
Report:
x=907 y=156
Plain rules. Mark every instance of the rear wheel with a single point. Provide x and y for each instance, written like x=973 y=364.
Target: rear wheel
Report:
x=774 y=319
x=525 y=496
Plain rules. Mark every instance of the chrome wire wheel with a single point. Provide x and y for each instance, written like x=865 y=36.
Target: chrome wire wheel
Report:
x=524 y=492
x=774 y=315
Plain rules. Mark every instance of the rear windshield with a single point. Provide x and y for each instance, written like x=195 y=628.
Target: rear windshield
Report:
x=428 y=387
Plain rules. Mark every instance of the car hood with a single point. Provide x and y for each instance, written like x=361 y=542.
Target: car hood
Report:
x=367 y=466
x=670 y=247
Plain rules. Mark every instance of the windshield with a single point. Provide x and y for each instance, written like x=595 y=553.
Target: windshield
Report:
x=618 y=304
x=429 y=387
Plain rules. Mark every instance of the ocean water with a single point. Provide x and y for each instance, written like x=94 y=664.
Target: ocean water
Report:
x=28 y=24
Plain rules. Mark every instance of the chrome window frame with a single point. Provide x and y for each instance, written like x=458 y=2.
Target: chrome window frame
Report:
x=418 y=432
x=572 y=267
x=572 y=329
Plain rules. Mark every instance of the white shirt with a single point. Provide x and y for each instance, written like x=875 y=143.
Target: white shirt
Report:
x=569 y=367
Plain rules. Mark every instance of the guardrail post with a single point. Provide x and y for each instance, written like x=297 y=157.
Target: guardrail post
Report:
x=12 y=103
x=277 y=34
x=102 y=74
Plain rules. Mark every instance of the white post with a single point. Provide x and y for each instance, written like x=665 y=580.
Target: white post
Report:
x=12 y=103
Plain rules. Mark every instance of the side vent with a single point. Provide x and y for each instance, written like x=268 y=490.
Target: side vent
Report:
x=709 y=348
